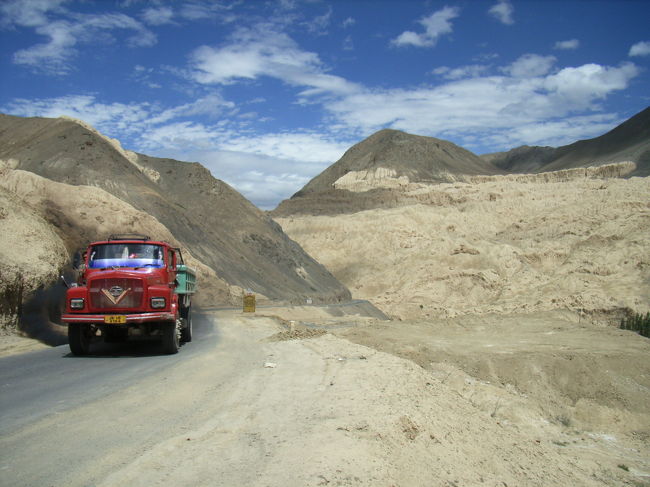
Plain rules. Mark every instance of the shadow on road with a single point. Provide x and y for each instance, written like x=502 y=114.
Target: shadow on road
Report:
x=135 y=349
x=202 y=328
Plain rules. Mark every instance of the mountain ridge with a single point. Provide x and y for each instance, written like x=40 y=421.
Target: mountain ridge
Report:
x=218 y=225
x=380 y=164
x=379 y=170
x=628 y=141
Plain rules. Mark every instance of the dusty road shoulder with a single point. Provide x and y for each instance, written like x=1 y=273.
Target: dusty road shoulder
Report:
x=324 y=411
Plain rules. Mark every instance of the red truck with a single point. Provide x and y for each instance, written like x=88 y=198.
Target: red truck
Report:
x=130 y=288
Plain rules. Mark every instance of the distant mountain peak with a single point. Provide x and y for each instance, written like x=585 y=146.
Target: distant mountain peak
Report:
x=629 y=141
x=416 y=157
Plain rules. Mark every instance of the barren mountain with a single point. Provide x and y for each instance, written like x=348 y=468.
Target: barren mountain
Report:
x=375 y=172
x=218 y=226
x=524 y=159
x=630 y=141
x=377 y=165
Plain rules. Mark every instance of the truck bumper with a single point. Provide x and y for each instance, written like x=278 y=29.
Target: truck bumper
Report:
x=130 y=318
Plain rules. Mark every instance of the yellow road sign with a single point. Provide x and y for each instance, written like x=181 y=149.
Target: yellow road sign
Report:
x=249 y=303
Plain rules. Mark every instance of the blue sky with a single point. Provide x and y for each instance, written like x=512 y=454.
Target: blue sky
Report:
x=267 y=94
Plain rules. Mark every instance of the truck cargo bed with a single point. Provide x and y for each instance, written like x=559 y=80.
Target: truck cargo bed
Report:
x=186 y=278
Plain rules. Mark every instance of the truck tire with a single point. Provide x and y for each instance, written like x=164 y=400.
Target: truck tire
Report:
x=170 y=338
x=186 y=331
x=79 y=338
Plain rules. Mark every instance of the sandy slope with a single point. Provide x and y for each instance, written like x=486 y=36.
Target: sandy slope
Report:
x=42 y=222
x=83 y=213
x=507 y=244
x=31 y=254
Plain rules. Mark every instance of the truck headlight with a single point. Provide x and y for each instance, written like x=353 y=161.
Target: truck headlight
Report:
x=77 y=303
x=157 y=302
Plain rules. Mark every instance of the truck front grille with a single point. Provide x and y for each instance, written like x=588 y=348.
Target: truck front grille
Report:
x=112 y=293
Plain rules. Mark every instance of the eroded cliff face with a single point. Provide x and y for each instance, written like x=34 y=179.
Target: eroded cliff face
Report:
x=575 y=239
x=31 y=256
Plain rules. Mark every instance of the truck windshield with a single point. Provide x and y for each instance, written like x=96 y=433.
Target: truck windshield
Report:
x=125 y=255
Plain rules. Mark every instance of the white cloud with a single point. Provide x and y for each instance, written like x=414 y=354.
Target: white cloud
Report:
x=111 y=118
x=571 y=44
x=87 y=26
x=197 y=10
x=212 y=105
x=579 y=87
x=28 y=13
x=530 y=65
x=492 y=106
x=143 y=75
x=263 y=52
x=53 y=55
x=158 y=15
x=435 y=25
x=64 y=33
x=306 y=147
x=556 y=132
x=318 y=25
x=165 y=128
x=178 y=135
x=640 y=49
x=469 y=71
x=503 y=11
x=349 y=22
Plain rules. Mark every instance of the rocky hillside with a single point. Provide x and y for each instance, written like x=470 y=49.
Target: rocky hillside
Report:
x=90 y=187
x=402 y=155
x=41 y=219
x=630 y=141
x=369 y=173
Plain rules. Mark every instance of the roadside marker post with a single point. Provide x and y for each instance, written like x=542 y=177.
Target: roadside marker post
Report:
x=249 y=302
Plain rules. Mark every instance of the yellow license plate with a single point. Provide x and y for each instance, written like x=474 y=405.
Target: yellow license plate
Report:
x=115 y=319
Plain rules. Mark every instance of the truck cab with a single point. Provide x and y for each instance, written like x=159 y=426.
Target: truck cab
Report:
x=130 y=288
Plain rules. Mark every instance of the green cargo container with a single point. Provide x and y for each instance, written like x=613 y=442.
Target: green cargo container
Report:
x=186 y=278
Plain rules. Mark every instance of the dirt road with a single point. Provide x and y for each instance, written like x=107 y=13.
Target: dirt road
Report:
x=244 y=406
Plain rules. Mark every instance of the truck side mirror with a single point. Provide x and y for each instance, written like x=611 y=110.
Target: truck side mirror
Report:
x=67 y=284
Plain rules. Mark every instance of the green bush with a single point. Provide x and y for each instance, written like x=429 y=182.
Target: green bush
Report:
x=637 y=322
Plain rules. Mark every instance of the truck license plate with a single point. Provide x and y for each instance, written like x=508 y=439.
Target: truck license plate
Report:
x=115 y=319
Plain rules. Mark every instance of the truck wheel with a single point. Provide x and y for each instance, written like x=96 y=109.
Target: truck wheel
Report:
x=79 y=337
x=170 y=338
x=186 y=332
